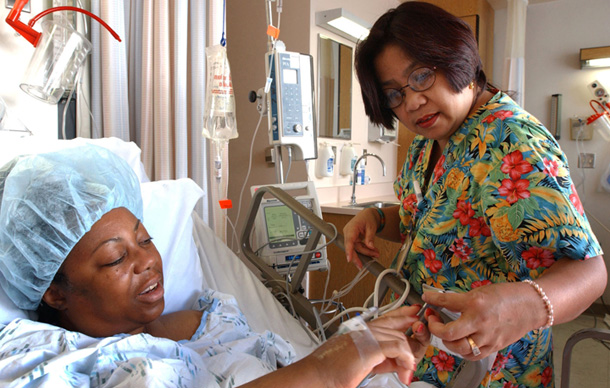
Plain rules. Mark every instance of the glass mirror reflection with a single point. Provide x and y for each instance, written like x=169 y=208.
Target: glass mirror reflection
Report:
x=335 y=65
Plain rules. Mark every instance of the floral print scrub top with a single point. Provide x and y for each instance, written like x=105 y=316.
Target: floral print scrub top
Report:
x=500 y=207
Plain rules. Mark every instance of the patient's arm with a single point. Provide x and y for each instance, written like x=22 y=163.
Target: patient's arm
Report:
x=342 y=362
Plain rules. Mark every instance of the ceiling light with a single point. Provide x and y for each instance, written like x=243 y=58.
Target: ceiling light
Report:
x=343 y=24
x=595 y=57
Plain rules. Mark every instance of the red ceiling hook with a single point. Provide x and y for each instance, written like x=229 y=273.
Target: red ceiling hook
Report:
x=32 y=35
x=23 y=29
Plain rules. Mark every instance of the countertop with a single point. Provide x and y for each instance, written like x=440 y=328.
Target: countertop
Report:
x=343 y=207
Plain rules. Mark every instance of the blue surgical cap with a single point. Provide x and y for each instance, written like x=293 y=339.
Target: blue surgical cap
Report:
x=47 y=203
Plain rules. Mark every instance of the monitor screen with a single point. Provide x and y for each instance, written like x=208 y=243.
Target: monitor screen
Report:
x=280 y=224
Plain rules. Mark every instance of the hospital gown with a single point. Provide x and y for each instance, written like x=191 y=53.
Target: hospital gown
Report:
x=500 y=207
x=223 y=352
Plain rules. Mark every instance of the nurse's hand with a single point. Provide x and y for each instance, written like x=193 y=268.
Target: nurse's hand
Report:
x=358 y=236
x=493 y=317
x=345 y=360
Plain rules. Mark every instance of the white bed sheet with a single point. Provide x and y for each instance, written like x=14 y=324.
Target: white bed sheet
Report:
x=196 y=262
x=225 y=272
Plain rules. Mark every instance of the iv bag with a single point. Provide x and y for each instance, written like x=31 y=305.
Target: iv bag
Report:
x=219 y=122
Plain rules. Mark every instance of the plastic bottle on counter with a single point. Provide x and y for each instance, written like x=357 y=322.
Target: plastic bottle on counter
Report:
x=361 y=173
x=325 y=164
x=361 y=177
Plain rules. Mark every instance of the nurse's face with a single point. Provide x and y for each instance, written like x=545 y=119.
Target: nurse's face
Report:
x=435 y=113
x=114 y=279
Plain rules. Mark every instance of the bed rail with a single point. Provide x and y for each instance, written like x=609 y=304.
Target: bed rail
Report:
x=319 y=227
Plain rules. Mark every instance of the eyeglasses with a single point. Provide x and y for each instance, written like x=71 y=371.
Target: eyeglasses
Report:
x=420 y=79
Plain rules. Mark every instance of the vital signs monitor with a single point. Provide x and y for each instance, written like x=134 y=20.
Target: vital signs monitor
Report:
x=282 y=235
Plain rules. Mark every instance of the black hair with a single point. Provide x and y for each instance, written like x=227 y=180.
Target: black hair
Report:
x=428 y=35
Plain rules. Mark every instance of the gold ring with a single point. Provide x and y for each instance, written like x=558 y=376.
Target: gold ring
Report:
x=473 y=346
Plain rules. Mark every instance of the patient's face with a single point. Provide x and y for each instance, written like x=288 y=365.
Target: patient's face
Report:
x=115 y=278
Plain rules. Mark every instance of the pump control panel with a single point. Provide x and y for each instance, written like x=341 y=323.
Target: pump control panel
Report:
x=290 y=103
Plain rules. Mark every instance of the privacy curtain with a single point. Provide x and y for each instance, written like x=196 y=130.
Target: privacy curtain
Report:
x=514 y=50
x=150 y=87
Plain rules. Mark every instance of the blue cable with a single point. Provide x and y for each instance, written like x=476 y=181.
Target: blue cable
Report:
x=223 y=40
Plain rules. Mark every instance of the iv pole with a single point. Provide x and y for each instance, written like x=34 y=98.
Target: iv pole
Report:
x=279 y=167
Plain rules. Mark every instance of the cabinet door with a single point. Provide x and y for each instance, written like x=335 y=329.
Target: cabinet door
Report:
x=405 y=137
x=479 y=14
x=342 y=272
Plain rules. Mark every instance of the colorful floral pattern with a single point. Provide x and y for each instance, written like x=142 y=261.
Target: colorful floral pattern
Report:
x=501 y=207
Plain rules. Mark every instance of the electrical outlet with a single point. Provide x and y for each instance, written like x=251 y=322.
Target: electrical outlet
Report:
x=586 y=160
x=579 y=130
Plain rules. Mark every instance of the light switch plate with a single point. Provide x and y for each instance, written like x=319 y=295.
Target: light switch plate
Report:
x=586 y=160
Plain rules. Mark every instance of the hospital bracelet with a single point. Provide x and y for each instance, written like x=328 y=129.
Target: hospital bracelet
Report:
x=547 y=303
x=381 y=219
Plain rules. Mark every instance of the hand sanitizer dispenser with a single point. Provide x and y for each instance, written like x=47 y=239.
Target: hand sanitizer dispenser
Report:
x=325 y=164
x=348 y=159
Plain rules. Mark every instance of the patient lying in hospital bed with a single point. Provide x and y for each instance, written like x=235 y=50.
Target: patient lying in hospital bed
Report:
x=224 y=349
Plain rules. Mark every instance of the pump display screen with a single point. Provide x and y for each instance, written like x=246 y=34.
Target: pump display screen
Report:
x=289 y=76
x=280 y=226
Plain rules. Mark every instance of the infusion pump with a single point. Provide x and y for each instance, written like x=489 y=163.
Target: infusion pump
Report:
x=290 y=103
x=281 y=234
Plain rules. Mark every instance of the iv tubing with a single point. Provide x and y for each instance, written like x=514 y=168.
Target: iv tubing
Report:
x=75 y=9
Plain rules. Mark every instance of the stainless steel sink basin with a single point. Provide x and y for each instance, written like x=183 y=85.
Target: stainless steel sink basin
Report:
x=378 y=204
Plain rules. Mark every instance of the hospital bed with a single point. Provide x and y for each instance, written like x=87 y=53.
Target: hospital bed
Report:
x=193 y=259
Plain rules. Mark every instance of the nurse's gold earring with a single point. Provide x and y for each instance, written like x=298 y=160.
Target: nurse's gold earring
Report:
x=471 y=85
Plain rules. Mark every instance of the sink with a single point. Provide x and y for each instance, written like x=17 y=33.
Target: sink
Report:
x=378 y=204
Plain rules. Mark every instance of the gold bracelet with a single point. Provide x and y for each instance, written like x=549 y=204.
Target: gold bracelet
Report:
x=547 y=303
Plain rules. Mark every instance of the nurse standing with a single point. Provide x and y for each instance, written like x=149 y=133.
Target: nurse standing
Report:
x=500 y=223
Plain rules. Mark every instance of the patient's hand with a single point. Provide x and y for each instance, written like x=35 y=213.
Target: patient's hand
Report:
x=345 y=360
x=401 y=320
x=394 y=351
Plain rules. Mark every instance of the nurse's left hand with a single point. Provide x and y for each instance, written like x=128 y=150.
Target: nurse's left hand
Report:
x=492 y=316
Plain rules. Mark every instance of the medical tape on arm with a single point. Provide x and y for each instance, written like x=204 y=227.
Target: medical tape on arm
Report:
x=361 y=335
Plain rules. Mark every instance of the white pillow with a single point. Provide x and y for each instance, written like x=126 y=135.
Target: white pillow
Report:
x=35 y=145
x=168 y=206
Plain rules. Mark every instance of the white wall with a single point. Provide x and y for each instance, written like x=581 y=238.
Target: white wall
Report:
x=15 y=51
x=337 y=188
x=555 y=33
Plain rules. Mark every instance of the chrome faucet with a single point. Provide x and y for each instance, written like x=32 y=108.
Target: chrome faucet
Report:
x=353 y=201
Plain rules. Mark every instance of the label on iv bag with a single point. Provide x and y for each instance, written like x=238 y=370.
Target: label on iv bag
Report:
x=222 y=93
x=219 y=81
x=219 y=117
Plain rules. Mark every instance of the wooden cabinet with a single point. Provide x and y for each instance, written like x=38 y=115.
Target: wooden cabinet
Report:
x=343 y=272
x=405 y=137
x=479 y=14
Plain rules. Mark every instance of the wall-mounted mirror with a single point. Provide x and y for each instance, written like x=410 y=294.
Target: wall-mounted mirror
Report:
x=335 y=88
